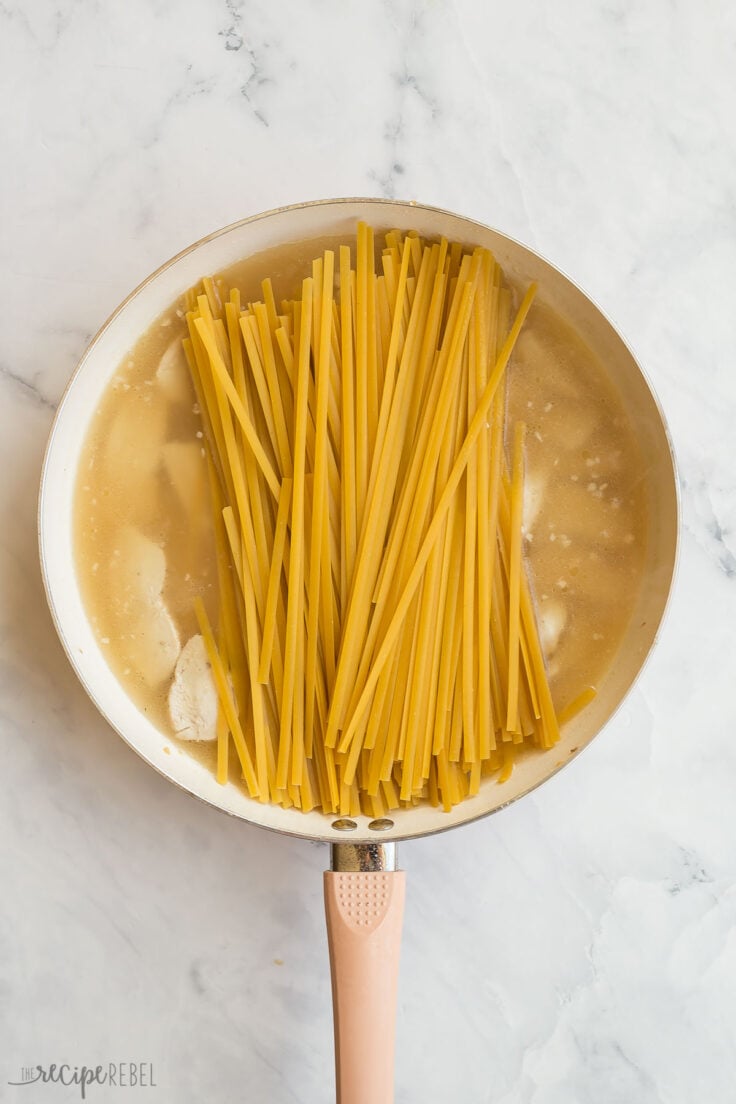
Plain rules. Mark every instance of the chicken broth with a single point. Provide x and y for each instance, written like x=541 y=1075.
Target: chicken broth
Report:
x=143 y=530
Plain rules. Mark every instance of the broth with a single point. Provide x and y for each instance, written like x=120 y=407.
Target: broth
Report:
x=143 y=538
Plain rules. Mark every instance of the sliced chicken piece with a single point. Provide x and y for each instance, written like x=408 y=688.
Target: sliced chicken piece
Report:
x=136 y=578
x=172 y=374
x=155 y=645
x=552 y=620
x=139 y=565
x=193 y=696
x=144 y=423
x=186 y=468
x=534 y=486
x=570 y=425
x=588 y=515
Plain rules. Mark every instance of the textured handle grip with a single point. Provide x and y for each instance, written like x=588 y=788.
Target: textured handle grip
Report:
x=364 y=914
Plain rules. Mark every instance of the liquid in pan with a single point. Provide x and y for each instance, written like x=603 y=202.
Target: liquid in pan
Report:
x=144 y=534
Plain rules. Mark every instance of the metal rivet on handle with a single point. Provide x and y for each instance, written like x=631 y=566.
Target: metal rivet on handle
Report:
x=381 y=825
x=344 y=825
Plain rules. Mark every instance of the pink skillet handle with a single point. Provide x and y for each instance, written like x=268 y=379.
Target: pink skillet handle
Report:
x=364 y=914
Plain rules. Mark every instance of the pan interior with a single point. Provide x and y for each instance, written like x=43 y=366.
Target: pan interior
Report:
x=221 y=251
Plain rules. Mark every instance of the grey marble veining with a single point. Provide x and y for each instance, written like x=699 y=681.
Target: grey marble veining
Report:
x=579 y=946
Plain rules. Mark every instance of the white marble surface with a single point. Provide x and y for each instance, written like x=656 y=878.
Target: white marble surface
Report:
x=578 y=947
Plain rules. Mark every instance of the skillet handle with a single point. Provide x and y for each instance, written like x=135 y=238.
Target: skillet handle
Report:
x=364 y=909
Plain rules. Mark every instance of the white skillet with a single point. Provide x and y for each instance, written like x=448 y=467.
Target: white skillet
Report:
x=364 y=891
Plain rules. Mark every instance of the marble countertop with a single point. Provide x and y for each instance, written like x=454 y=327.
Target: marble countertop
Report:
x=577 y=947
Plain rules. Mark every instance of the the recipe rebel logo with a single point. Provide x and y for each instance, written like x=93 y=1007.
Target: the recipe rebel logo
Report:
x=120 y=1075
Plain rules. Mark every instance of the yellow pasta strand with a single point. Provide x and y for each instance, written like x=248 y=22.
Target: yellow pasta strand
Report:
x=224 y=694
x=354 y=659
x=296 y=552
x=223 y=742
x=274 y=579
x=349 y=528
x=577 y=705
x=320 y=489
x=362 y=428
x=415 y=501
x=517 y=490
x=220 y=372
x=377 y=643
x=434 y=529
